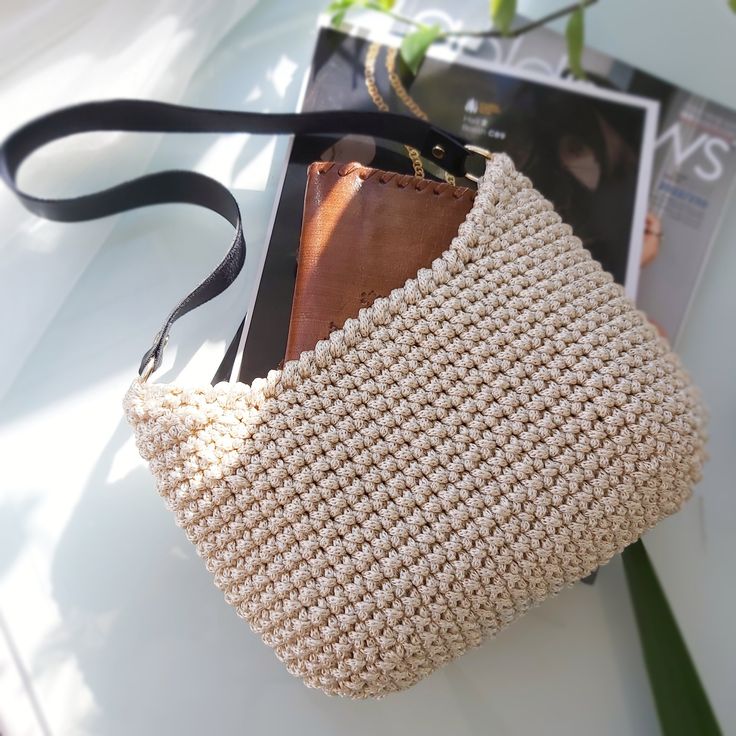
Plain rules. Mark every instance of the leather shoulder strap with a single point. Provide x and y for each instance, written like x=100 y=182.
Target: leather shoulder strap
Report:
x=189 y=187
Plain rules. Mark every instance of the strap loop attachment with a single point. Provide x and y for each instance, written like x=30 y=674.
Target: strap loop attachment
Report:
x=144 y=116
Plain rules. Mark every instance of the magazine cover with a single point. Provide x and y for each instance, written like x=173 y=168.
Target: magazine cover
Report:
x=694 y=164
x=588 y=150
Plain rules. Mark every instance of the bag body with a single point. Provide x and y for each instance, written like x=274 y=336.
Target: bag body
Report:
x=462 y=449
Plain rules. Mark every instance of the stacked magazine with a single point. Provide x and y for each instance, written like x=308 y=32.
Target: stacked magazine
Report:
x=640 y=168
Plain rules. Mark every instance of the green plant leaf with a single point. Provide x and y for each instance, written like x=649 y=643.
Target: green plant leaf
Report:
x=682 y=704
x=336 y=5
x=415 y=44
x=337 y=18
x=575 y=34
x=732 y=5
x=338 y=8
x=502 y=14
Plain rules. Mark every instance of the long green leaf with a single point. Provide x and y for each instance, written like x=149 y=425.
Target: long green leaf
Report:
x=575 y=34
x=682 y=704
x=338 y=8
x=732 y=5
x=337 y=18
x=502 y=14
x=336 y=5
x=415 y=44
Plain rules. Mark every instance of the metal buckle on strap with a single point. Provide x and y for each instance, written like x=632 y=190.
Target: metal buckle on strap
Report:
x=146 y=374
x=485 y=153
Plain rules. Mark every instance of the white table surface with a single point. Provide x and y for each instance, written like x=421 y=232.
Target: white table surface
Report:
x=109 y=623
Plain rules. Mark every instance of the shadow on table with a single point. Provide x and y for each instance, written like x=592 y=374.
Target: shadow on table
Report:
x=141 y=616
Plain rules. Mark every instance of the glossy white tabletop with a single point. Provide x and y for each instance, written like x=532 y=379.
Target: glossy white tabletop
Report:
x=109 y=623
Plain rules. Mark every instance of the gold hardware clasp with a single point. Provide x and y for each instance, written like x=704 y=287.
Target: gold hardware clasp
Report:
x=146 y=374
x=481 y=152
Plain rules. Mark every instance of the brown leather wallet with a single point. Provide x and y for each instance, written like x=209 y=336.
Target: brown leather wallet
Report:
x=364 y=233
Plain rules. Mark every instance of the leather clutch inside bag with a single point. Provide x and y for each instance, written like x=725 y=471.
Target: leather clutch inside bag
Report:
x=364 y=233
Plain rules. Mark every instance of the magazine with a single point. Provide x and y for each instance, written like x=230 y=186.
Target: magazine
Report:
x=589 y=150
x=695 y=156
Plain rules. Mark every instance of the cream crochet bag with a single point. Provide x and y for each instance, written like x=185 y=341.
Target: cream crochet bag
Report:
x=491 y=432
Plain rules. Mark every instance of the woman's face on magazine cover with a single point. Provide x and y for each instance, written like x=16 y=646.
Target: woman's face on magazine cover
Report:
x=578 y=155
x=579 y=159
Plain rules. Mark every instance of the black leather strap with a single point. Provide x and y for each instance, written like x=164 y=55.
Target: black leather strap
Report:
x=190 y=187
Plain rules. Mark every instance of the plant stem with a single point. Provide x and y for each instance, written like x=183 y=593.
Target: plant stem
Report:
x=400 y=18
x=492 y=33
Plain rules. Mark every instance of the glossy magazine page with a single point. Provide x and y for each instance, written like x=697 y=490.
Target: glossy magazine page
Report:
x=694 y=160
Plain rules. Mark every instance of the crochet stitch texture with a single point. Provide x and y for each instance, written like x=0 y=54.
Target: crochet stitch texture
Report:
x=494 y=430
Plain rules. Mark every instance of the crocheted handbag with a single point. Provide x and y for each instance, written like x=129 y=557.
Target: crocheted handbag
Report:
x=490 y=432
